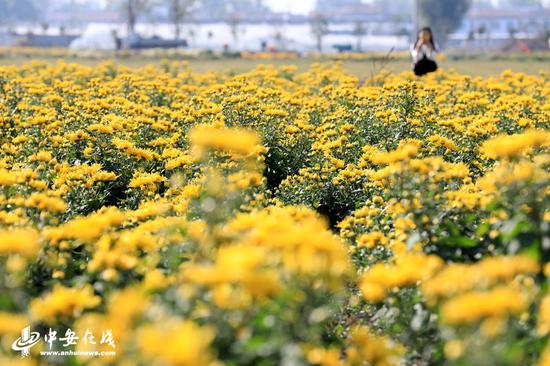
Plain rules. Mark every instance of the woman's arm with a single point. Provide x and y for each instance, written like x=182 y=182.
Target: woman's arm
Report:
x=415 y=51
x=414 y=54
x=431 y=51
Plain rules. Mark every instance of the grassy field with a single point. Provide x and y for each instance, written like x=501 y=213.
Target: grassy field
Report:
x=363 y=69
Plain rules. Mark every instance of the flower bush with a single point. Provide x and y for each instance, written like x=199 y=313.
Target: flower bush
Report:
x=274 y=217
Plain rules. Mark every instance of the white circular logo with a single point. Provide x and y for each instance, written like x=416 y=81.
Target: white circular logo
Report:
x=26 y=341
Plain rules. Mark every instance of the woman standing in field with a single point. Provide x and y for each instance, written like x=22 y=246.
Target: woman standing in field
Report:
x=423 y=52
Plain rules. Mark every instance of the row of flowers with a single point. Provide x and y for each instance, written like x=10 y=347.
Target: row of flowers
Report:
x=274 y=217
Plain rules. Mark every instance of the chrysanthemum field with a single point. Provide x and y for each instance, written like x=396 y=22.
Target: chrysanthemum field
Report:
x=160 y=216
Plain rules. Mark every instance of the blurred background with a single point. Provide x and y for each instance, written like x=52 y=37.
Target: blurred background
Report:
x=274 y=25
x=492 y=35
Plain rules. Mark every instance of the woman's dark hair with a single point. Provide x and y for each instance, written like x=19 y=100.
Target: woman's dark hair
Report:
x=429 y=31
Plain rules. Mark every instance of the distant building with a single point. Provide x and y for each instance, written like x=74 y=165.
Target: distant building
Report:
x=44 y=40
x=138 y=43
x=350 y=11
x=519 y=28
x=498 y=23
x=331 y=5
x=83 y=17
x=214 y=10
x=76 y=13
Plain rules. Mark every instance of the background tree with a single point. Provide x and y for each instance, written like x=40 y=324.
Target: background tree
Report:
x=514 y=3
x=481 y=30
x=234 y=23
x=132 y=9
x=319 y=29
x=179 y=11
x=44 y=26
x=512 y=31
x=443 y=16
x=359 y=31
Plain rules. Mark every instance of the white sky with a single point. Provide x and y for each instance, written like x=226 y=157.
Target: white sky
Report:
x=294 y=6
x=304 y=6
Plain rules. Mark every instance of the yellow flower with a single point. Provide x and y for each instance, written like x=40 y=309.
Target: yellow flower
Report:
x=146 y=181
x=11 y=323
x=324 y=357
x=492 y=326
x=407 y=270
x=41 y=156
x=155 y=280
x=108 y=258
x=129 y=148
x=86 y=228
x=244 y=266
x=230 y=140
x=475 y=305
x=64 y=302
x=514 y=145
x=15 y=176
x=443 y=141
x=544 y=359
x=372 y=239
x=403 y=152
x=104 y=176
x=543 y=320
x=453 y=349
x=455 y=278
x=372 y=349
x=178 y=343
x=299 y=236
x=180 y=161
x=22 y=241
x=44 y=202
